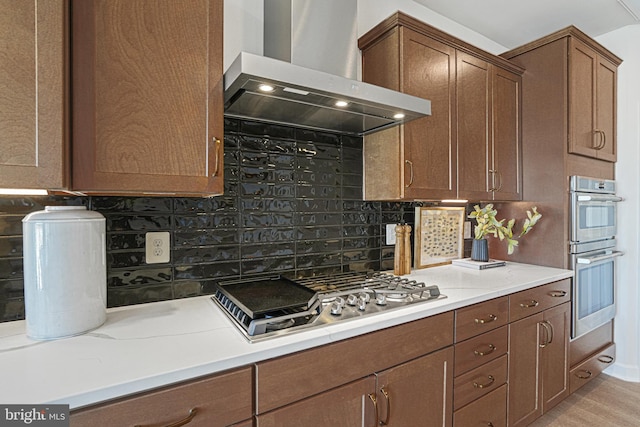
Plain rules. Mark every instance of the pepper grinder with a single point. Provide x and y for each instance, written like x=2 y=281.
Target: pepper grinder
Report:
x=398 y=256
x=407 y=249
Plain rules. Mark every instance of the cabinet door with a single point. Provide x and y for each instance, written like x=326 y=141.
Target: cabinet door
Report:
x=505 y=173
x=474 y=118
x=582 y=90
x=606 y=90
x=555 y=355
x=428 y=71
x=350 y=405
x=524 y=363
x=215 y=401
x=33 y=109
x=417 y=393
x=147 y=98
x=592 y=103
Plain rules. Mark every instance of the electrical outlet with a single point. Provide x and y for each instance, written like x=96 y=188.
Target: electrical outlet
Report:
x=391 y=234
x=157 y=247
x=467 y=230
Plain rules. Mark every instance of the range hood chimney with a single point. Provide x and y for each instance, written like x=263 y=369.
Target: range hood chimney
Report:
x=309 y=71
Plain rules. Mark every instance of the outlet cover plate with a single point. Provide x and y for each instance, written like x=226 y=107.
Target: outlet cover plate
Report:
x=157 y=247
x=391 y=234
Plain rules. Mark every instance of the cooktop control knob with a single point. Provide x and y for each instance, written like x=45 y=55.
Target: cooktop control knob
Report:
x=381 y=299
x=340 y=301
x=362 y=303
x=336 y=308
x=352 y=300
x=365 y=296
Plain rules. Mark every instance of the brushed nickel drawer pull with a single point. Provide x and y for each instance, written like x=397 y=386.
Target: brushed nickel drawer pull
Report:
x=184 y=421
x=492 y=348
x=558 y=294
x=491 y=318
x=216 y=141
x=584 y=377
x=491 y=381
x=605 y=358
x=410 y=163
x=530 y=304
x=388 y=399
x=372 y=397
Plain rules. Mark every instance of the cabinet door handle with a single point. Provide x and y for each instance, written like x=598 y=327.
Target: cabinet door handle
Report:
x=485 y=385
x=184 y=421
x=217 y=144
x=530 y=304
x=372 y=398
x=584 y=377
x=492 y=348
x=549 y=335
x=605 y=359
x=410 y=163
x=385 y=393
x=558 y=294
x=490 y=318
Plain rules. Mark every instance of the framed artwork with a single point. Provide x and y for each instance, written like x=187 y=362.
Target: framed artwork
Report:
x=439 y=235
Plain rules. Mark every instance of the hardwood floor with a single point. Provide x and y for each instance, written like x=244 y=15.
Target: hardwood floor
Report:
x=605 y=401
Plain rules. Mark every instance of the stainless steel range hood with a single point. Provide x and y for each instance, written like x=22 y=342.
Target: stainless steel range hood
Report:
x=310 y=36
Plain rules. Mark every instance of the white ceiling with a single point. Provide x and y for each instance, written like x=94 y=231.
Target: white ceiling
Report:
x=512 y=23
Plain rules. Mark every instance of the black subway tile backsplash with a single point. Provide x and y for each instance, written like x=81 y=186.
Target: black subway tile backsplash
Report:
x=292 y=205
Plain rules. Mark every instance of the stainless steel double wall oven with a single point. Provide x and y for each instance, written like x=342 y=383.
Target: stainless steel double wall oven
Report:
x=593 y=252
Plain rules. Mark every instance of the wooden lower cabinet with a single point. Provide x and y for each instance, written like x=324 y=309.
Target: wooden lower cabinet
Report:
x=417 y=393
x=349 y=405
x=220 y=400
x=538 y=363
x=489 y=410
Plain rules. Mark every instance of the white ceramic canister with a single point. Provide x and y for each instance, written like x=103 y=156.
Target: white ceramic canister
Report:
x=65 y=277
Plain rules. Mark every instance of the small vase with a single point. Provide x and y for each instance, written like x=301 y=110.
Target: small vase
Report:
x=480 y=250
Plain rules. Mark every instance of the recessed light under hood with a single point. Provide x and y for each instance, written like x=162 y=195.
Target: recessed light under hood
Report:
x=310 y=62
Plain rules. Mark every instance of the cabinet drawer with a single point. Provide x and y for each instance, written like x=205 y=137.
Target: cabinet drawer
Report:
x=482 y=317
x=220 y=400
x=592 y=367
x=482 y=380
x=490 y=410
x=285 y=379
x=538 y=299
x=479 y=350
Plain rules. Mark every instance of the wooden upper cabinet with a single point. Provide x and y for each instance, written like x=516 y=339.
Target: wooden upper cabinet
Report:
x=469 y=147
x=147 y=97
x=592 y=97
x=474 y=126
x=33 y=74
x=416 y=160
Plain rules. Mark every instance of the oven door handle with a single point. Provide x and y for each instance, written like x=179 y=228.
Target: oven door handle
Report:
x=599 y=198
x=590 y=260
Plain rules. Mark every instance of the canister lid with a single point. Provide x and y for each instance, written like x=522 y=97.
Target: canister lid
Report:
x=63 y=213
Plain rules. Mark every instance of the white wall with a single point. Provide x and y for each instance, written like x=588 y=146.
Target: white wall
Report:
x=622 y=42
x=243 y=28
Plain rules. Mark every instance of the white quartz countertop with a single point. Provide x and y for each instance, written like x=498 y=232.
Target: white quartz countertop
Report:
x=151 y=345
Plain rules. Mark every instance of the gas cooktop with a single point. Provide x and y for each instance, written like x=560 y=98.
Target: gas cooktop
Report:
x=270 y=307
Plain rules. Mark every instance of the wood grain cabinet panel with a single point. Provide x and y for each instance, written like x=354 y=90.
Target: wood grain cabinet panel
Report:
x=220 y=400
x=481 y=349
x=147 y=97
x=538 y=299
x=592 y=96
x=458 y=151
x=486 y=411
x=538 y=363
x=348 y=360
x=591 y=367
x=482 y=317
x=33 y=88
x=480 y=381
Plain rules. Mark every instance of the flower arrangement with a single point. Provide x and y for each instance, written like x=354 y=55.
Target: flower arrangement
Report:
x=487 y=223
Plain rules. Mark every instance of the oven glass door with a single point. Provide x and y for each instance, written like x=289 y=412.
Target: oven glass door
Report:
x=594 y=217
x=594 y=290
